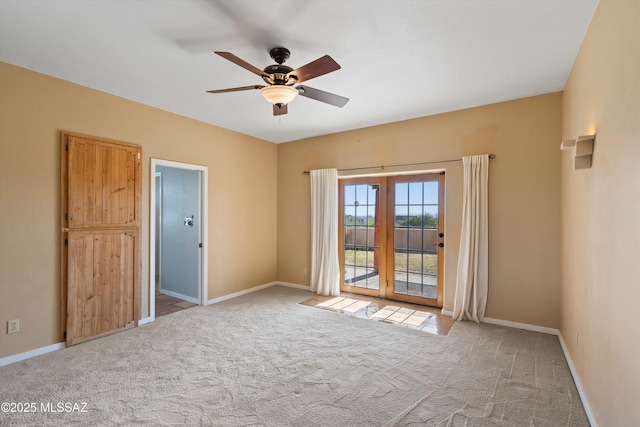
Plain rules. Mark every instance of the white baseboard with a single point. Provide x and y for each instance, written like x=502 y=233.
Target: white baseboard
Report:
x=294 y=285
x=31 y=353
x=180 y=296
x=240 y=293
x=510 y=324
x=146 y=320
x=256 y=288
x=525 y=326
x=576 y=379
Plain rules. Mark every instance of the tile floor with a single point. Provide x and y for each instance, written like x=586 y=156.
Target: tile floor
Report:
x=167 y=305
x=427 y=319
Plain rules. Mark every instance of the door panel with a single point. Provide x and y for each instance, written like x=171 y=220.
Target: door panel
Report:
x=392 y=237
x=101 y=283
x=101 y=184
x=415 y=254
x=361 y=239
x=100 y=217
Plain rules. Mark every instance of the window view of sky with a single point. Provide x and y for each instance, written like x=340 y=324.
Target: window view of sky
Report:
x=413 y=198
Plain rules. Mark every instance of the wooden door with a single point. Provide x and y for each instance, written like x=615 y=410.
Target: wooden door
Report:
x=100 y=213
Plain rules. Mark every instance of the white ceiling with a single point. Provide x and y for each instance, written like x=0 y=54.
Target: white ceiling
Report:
x=400 y=59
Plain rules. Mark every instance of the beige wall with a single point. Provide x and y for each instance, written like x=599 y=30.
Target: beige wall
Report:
x=524 y=195
x=33 y=110
x=601 y=215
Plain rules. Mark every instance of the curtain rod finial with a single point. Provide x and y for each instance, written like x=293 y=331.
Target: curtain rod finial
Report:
x=492 y=156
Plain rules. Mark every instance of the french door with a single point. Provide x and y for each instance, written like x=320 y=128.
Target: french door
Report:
x=392 y=237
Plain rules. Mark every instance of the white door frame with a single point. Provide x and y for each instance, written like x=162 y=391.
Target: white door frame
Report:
x=157 y=220
x=204 y=197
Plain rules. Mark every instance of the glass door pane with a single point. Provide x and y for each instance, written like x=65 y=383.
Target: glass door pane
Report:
x=361 y=236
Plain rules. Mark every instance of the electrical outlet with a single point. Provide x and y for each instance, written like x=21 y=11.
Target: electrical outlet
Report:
x=304 y=271
x=13 y=326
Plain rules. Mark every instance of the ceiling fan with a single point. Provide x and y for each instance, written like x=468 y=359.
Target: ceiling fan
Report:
x=281 y=79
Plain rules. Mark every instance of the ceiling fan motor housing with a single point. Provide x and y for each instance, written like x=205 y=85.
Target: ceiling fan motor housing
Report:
x=278 y=74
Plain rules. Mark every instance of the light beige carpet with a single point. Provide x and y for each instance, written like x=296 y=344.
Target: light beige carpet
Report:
x=263 y=359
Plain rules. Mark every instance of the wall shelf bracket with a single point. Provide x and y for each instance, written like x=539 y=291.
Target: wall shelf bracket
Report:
x=582 y=150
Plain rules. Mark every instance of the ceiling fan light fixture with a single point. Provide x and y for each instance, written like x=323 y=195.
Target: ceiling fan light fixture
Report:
x=279 y=94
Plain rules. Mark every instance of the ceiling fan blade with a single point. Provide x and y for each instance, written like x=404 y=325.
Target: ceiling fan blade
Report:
x=322 y=96
x=244 y=64
x=236 y=89
x=316 y=68
x=280 y=111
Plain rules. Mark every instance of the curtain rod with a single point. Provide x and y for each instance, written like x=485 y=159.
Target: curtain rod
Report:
x=491 y=156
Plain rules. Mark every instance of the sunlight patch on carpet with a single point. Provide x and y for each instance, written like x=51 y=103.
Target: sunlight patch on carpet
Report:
x=411 y=316
x=385 y=312
x=330 y=302
x=356 y=306
x=348 y=305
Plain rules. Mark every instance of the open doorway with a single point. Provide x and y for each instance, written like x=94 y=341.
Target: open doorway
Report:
x=178 y=211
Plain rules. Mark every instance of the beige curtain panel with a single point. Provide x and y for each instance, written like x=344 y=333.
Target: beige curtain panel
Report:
x=325 y=269
x=473 y=262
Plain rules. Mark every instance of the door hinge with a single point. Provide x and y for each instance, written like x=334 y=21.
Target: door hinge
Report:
x=66 y=147
x=66 y=242
x=66 y=216
x=199 y=245
x=64 y=335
